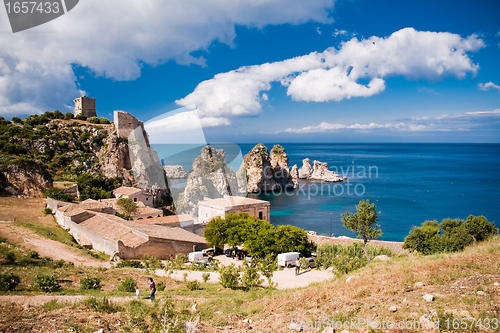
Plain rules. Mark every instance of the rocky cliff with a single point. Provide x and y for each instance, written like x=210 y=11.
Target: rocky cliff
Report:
x=320 y=171
x=267 y=173
x=174 y=171
x=209 y=178
x=29 y=179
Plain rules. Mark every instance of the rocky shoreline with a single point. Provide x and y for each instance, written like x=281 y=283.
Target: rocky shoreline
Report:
x=396 y=247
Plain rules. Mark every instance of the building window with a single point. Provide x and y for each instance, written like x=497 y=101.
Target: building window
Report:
x=135 y=199
x=147 y=198
x=260 y=215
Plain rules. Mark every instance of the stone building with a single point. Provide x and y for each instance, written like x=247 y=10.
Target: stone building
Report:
x=86 y=106
x=208 y=209
x=115 y=236
x=135 y=194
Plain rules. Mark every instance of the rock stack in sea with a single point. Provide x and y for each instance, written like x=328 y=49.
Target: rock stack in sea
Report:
x=320 y=171
x=268 y=173
x=174 y=171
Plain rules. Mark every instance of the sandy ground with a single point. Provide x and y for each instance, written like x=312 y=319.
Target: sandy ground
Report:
x=285 y=279
x=41 y=299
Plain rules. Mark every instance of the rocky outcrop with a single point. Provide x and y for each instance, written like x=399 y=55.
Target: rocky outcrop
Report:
x=267 y=173
x=114 y=159
x=320 y=171
x=175 y=171
x=28 y=179
x=209 y=178
x=294 y=173
x=306 y=171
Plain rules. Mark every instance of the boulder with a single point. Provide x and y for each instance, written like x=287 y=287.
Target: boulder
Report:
x=419 y=284
x=382 y=257
x=428 y=297
x=393 y=308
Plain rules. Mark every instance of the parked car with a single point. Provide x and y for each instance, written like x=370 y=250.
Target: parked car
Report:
x=228 y=252
x=199 y=257
x=288 y=259
x=312 y=263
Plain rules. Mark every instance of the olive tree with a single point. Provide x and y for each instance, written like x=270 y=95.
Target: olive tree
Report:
x=363 y=222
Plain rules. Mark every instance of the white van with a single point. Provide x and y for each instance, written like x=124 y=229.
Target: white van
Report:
x=198 y=257
x=288 y=259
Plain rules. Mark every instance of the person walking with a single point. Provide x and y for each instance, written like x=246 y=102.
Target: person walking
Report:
x=137 y=292
x=297 y=266
x=152 y=288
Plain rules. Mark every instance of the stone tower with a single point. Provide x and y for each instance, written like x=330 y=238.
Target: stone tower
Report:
x=86 y=106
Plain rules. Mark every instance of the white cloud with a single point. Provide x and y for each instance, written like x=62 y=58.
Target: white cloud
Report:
x=336 y=74
x=318 y=30
x=486 y=86
x=338 y=32
x=113 y=38
x=445 y=123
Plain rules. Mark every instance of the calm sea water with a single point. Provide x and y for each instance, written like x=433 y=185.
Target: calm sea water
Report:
x=409 y=183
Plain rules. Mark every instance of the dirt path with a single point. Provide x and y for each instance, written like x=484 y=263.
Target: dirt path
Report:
x=46 y=247
x=41 y=299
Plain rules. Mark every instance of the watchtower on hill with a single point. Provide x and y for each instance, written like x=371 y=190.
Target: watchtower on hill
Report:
x=86 y=106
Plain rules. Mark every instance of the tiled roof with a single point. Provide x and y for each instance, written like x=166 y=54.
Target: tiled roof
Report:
x=172 y=219
x=92 y=204
x=229 y=202
x=71 y=210
x=110 y=229
x=125 y=190
x=158 y=231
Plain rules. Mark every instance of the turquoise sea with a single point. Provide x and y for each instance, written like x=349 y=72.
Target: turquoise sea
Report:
x=409 y=183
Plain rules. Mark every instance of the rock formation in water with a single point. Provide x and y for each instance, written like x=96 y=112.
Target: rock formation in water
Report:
x=294 y=173
x=319 y=171
x=209 y=178
x=265 y=173
x=175 y=171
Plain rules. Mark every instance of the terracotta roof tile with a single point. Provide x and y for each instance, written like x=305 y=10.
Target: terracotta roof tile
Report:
x=125 y=190
x=232 y=201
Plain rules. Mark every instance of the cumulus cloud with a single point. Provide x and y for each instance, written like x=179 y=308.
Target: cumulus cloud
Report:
x=113 y=38
x=488 y=85
x=445 y=123
x=336 y=74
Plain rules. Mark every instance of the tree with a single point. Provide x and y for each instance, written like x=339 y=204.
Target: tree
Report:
x=363 y=222
x=455 y=235
x=128 y=204
x=479 y=228
x=424 y=239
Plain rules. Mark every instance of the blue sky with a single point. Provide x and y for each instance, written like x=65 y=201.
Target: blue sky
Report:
x=324 y=71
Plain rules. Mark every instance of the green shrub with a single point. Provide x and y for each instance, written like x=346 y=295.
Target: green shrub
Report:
x=81 y=117
x=101 y=305
x=229 y=276
x=193 y=285
x=46 y=282
x=57 y=194
x=8 y=281
x=151 y=262
x=90 y=282
x=251 y=277
x=103 y=120
x=32 y=255
x=160 y=286
x=129 y=263
x=479 y=228
x=69 y=116
x=128 y=285
x=47 y=211
x=93 y=120
x=205 y=277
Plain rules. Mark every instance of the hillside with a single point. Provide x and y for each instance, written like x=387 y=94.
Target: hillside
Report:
x=462 y=285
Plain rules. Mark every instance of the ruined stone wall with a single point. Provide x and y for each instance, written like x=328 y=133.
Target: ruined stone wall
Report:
x=86 y=106
x=125 y=124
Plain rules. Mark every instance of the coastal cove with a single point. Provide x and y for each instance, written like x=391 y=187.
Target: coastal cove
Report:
x=409 y=183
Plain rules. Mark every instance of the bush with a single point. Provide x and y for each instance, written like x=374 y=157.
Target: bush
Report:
x=8 y=281
x=449 y=235
x=32 y=255
x=69 y=116
x=128 y=285
x=46 y=282
x=129 y=263
x=205 y=277
x=88 y=283
x=17 y=120
x=81 y=117
x=103 y=120
x=193 y=285
x=47 y=211
x=160 y=286
x=229 y=276
x=151 y=262
x=93 y=120
x=57 y=194
x=101 y=305
x=251 y=277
